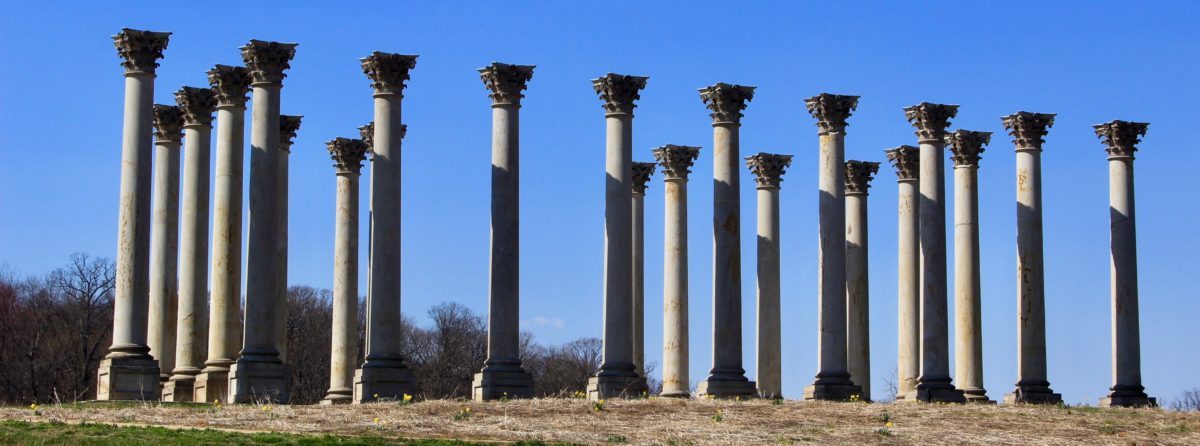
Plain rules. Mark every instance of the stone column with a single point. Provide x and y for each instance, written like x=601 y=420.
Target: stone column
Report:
x=1122 y=138
x=906 y=160
x=384 y=373
x=768 y=171
x=502 y=375
x=367 y=133
x=229 y=85
x=933 y=383
x=288 y=126
x=197 y=105
x=676 y=162
x=259 y=374
x=833 y=378
x=128 y=372
x=858 y=177
x=348 y=155
x=641 y=176
x=164 y=238
x=727 y=378
x=1027 y=130
x=968 y=327
x=617 y=376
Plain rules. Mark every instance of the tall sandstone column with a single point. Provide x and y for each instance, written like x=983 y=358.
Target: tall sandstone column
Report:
x=348 y=155
x=617 y=376
x=259 y=374
x=288 y=126
x=676 y=162
x=164 y=238
x=1122 y=138
x=768 y=172
x=197 y=106
x=128 y=372
x=641 y=176
x=1027 y=130
x=906 y=160
x=933 y=383
x=502 y=375
x=727 y=378
x=965 y=147
x=229 y=85
x=858 y=310
x=833 y=377
x=384 y=373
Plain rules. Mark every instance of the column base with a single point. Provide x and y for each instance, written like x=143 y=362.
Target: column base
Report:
x=338 y=397
x=977 y=396
x=373 y=384
x=832 y=391
x=490 y=385
x=128 y=378
x=1032 y=395
x=251 y=382
x=181 y=390
x=603 y=387
x=675 y=394
x=713 y=388
x=1128 y=396
x=211 y=385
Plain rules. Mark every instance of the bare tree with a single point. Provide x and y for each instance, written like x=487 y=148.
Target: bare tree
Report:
x=891 y=388
x=85 y=291
x=1188 y=402
x=309 y=334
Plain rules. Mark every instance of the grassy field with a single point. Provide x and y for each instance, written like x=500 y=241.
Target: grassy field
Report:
x=576 y=421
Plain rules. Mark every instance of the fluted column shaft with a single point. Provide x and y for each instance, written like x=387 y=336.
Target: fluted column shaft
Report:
x=858 y=328
x=164 y=256
x=769 y=355
x=908 y=288
x=192 y=322
x=675 y=289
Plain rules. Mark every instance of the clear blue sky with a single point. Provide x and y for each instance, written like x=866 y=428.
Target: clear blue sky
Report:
x=60 y=126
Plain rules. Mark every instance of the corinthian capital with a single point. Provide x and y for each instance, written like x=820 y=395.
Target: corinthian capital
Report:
x=768 y=168
x=1121 y=137
x=388 y=71
x=266 y=61
x=676 y=161
x=230 y=84
x=368 y=135
x=288 y=125
x=965 y=146
x=859 y=175
x=641 y=175
x=348 y=154
x=168 y=123
x=197 y=105
x=619 y=91
x=506 y=82
x=726 y=101
x=906 y=160
x=140 y=49
x=1027 y=128
x=930 y=120
x=831 y=111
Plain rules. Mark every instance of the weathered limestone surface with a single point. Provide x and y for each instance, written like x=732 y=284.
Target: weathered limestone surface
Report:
x=933 y=383
x=768 y=171
x=676 y=162
x=1027 y=130
x=1122 y=138
x=384 y=373
x=503 y=375
x=833 y=377
x=348 y=155
x=197 y=105
x=128 y=372
x=164 y=238
x=288 y=126
x=858 y=326
x=641 y=176
x=259 y=374
x=965 y=147
x=727 y=378
x=906 y=160
x=617 y=376
x=230 y=85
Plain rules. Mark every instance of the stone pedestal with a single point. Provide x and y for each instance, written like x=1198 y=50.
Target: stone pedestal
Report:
x=1033 y=387
x=833 y=377
x=348 y=155
x=164 y=238
x=933 y=383
x=968 y=340
x=128 y=372
x=384 y=374
x=617 y=377
x=768 y=170
x=858 y=309
x=676 y=162
x=906 y=160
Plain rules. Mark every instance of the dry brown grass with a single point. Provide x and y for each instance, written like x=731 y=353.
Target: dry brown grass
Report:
x=666 y=421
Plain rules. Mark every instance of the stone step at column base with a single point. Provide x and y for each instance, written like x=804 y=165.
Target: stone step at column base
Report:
x=135 y=379
x=341 y=396
x=1142 y=400
x=977 y=396
x=180 y=390
x=605 y=387
x=940 y=395
x=727 y=389
x=489 y=385
x=211 y=386
x=373 y=384
x=1021 y=396
x=832 y=392
x=258 y=382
